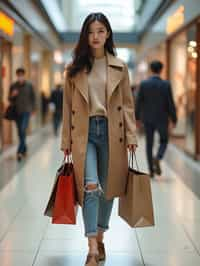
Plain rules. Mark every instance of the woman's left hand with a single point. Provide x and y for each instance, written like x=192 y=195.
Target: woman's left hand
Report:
x=132 y=147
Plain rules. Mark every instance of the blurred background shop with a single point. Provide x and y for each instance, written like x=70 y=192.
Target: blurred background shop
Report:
x=175 y=40
x=27 y=43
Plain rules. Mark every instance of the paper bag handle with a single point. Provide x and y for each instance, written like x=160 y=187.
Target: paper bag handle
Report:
x=67 y=158
x=131 y=159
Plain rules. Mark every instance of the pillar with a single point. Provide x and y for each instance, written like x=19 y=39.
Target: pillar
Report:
x=27 y=54
x=46 y=75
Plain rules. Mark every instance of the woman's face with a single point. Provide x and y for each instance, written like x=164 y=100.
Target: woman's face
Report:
x=97 y=35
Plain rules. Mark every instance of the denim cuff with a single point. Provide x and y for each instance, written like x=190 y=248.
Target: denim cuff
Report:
x=102 y=229
x=91 y=234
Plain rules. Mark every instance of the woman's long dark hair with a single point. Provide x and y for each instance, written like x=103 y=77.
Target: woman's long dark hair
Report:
x=82 y=56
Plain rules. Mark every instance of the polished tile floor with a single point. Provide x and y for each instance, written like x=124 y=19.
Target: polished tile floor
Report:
x=28 y=238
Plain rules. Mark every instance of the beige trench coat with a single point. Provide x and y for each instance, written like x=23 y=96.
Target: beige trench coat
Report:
x=121 y=125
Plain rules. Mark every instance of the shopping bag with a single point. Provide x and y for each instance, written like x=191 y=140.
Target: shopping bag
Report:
x=62 y=205
x=11 y=113
x=136 y=206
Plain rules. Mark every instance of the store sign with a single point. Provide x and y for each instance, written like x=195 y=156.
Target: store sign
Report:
x=6 y=24
x=175 y=21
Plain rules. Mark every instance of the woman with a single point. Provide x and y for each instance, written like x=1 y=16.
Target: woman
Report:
x=98 y=126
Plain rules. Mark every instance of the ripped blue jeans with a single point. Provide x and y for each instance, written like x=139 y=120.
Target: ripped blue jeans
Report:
x=96 y=209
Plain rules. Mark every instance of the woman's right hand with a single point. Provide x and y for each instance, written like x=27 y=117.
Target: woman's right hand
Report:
x=66 y=152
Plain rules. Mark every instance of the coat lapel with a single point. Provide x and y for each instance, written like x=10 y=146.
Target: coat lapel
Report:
x=114 y=76
x=81 y=82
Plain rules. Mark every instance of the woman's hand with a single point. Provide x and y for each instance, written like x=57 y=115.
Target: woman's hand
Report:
x=132 y=147
x=66 y=152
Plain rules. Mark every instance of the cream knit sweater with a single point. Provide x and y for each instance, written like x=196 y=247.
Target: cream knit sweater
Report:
x=97 y=80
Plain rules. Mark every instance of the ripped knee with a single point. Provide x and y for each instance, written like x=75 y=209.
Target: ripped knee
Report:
x=91 y=188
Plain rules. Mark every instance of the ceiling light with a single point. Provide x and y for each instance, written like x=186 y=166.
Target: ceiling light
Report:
x=193 y=43
x=142 y=67
x=194 y=55
x=58 y=57
x=190 y=49
x=55 y=14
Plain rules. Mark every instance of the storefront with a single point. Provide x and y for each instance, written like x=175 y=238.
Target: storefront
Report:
x=6 y=36
x=20 y=46
x=183 y=72
x=1 y=94
x=178 y=33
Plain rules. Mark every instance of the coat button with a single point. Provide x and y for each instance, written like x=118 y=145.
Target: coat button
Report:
x=72 y=127
x=71 y=142
x=73 y=112
x=120 y=124
x=121 y=139
x=119 y=108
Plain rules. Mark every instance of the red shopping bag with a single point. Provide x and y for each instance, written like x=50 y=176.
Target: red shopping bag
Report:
x=65 y=206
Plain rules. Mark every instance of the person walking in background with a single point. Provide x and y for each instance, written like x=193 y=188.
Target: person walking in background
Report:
x=22 y=94
x=98 y=127
x=57 y=99
x=156 y=109
x=44 y=106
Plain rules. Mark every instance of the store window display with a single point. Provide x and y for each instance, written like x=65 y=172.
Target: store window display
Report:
x=1 y=96
x=183 y=57
x=5 y=84
x=191 y=93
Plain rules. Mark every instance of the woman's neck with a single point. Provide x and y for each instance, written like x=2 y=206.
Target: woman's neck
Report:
x=98 y=53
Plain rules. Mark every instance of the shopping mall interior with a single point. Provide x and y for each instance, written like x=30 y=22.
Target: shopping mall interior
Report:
x=40 y=36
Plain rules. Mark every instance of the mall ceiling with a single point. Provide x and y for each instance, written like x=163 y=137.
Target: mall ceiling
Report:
x=59 y=21
x=129 y=19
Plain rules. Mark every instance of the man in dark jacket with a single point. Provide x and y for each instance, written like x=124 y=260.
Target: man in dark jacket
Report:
x=156 y=109
x=57 y=100
x=23 y=96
